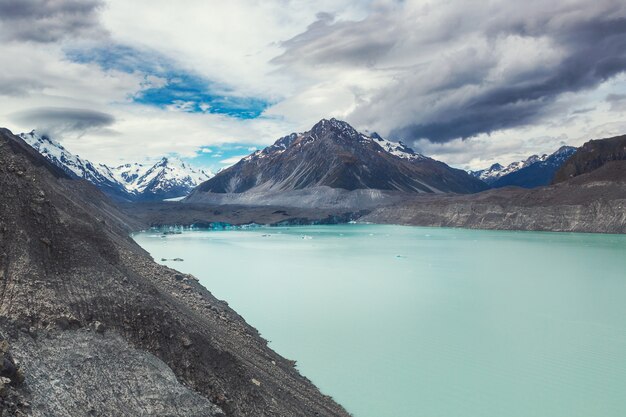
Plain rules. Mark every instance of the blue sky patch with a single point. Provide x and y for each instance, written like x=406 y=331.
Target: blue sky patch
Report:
x=219 y=157
x=179 y=90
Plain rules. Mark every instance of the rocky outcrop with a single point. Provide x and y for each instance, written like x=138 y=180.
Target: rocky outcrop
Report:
x=71 y=276
x=591 y=156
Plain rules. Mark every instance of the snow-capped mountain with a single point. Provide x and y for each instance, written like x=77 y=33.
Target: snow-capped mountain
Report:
x=168 y=178
x=129 y=173
x=496 y=171
x=532 y=172
x=76 y=167
x=333 y=154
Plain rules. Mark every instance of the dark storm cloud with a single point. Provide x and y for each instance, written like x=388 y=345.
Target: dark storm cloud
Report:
x=596 y=52
x=57 y=121
x=461 y=69
x=49 y=20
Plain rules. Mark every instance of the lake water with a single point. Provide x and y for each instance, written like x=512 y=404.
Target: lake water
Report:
x=407 y=322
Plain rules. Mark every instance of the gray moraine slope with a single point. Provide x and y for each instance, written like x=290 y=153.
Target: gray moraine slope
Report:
x=83 y=309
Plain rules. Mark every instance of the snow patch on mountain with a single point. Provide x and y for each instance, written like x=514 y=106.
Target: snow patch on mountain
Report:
x=399 y=149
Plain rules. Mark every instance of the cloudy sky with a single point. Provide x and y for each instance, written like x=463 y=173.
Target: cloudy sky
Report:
x=468 y=82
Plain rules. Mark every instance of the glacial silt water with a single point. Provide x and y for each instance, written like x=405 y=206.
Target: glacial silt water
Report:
x=408 y=322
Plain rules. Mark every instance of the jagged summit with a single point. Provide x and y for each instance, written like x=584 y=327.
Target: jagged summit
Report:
x=168 y=178
x=340 y=128
x=334 y=154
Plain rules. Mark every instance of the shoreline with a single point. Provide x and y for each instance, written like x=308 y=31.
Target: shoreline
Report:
x=470 y=216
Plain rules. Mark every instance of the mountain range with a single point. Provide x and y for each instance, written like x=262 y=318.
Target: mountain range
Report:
x=330 y=162
x=168 y=178
x=532 y=172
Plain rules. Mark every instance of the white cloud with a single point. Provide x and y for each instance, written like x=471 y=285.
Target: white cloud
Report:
x=232 y=160
x=231 y=42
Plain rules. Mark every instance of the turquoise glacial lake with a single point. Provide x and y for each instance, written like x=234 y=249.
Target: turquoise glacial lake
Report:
x=398 y=321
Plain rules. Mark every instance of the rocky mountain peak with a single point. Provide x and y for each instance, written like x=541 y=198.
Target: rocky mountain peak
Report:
x=333 y=154
x=333 y=126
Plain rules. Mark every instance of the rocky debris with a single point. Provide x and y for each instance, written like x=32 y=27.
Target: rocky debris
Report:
x=99 y=327
x=114 y=378
x=13 y=395
x=92 y=271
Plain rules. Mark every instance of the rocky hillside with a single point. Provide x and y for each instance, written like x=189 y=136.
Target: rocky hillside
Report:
x=90 y=325
x=591 y=156
x=333 y=154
